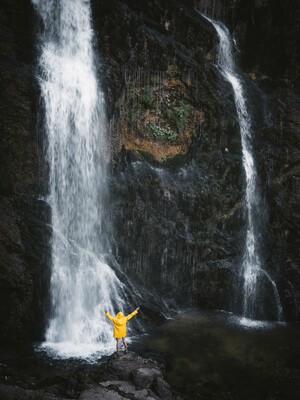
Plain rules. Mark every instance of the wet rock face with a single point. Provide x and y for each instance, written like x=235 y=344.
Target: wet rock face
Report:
x=175 y=233
x=177 y=182
x=279 y=158
x=269 y=31
x=269 y=34
x=21 y=215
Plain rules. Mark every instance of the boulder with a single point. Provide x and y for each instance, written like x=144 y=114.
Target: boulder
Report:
x=163 y=389
x=124 y=365
x=144 y=377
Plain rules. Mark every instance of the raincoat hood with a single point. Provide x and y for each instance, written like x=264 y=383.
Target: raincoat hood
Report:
x=120 y=314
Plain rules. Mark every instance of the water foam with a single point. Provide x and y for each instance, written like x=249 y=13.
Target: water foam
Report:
x=82 y=283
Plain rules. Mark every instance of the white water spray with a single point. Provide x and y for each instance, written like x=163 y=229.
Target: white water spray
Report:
x=82 y=284
x=252 y=268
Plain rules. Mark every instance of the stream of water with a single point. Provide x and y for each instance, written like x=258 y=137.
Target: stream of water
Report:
x=82 y=283
x=252 y=265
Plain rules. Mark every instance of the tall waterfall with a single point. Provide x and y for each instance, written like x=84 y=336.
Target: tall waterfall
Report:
x=82 y=284
x=252 y=268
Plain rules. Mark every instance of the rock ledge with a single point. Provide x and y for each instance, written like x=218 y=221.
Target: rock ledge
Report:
x=126 y=376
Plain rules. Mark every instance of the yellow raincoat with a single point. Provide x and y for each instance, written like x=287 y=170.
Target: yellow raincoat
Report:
x=120 y=323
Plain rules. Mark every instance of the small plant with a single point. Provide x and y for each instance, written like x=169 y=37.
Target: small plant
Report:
x=161 y=133
x=179 y=115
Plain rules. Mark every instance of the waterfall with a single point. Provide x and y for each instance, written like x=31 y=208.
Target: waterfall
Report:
x=252 y=268
x=82 y=284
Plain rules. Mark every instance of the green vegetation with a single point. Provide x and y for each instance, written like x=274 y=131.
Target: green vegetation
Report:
x=130 y=93
x=208 y=56
x=161 y=133
x=179 y=115
x=144 y=96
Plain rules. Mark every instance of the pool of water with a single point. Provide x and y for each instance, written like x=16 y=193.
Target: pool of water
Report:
x=214 y=355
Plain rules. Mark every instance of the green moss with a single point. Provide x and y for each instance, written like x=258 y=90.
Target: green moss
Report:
x=208 y=56
x=130 y=93
x=143 y=96
x=179 y=115
x=161 y=133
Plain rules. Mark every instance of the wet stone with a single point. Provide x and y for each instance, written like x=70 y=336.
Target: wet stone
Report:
x=163 y=389
x=144 y=377
x=124 y=365
x=127 y=376
x=100 y=393
x=129 y=389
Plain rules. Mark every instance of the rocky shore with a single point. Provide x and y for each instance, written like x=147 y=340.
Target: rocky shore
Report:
x=127 y=376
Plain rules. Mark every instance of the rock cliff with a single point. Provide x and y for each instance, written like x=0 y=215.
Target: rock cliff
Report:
x=269 y=34
x=177 y=184
x=23 y=217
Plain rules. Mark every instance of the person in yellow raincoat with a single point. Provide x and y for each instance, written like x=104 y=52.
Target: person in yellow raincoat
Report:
x=120 y=327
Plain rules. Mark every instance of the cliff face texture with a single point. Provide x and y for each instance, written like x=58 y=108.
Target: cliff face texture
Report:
x=21 y=215
x=177 y=182
x=274 y=65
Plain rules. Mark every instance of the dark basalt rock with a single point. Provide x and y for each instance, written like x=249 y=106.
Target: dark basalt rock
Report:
x=23 y=232
x=177 y=230
x=144 y=377
x=126 y=376
x=279 y=158
x=184 y=212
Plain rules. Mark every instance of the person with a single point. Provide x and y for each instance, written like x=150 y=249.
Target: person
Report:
x=120 y=327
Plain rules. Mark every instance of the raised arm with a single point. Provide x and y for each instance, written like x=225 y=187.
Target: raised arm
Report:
x=129 y=316
x=109 y=316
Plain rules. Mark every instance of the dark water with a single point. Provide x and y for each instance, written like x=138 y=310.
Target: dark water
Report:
x=212 y=356
x=208 y=356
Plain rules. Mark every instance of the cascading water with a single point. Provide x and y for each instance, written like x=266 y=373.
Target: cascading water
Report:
x=82 y=284
x=252 y=268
